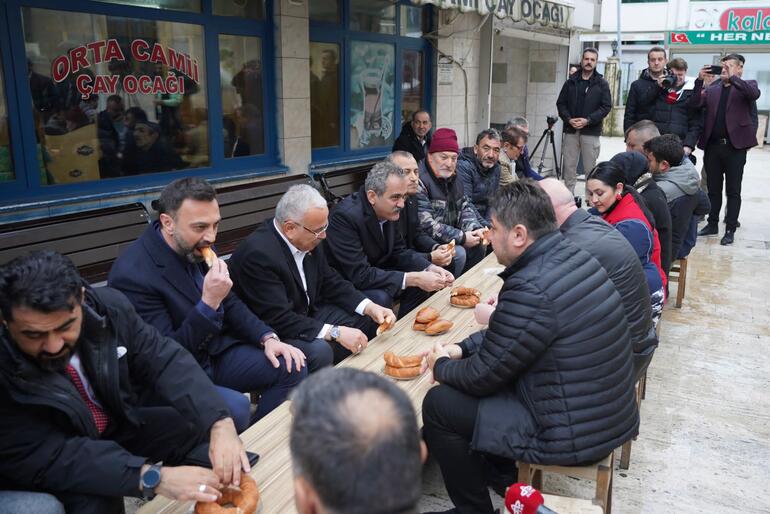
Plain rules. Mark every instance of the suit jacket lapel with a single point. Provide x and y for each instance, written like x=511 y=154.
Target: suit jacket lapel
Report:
x=372 y=224
x=169 y=265
x=288 y=257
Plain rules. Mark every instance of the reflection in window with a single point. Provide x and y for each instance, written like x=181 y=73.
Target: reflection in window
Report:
x=6 y=162
x=325 y=10
x=240 y=69
x=115 y=97
x=324 y=95
x=176 y=5
x=371 y=94
x=411 y=21
x=411 y=83
x=252 y=9
x=373 y=16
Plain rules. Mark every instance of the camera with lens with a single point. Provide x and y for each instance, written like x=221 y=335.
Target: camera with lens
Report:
x=551 y=119
x=669 y=80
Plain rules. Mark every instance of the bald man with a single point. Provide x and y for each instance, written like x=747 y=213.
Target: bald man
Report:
x=619 y=260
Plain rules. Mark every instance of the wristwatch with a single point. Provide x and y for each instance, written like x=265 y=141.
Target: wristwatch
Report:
x=150 y=480
x=334 y=333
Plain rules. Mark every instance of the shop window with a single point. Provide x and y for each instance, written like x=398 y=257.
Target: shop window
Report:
x=251 y=9
x=324 y=94
x=242 y=95
x=372 y=97
x=6 y=161
x=412 y=21
x=325 y=11
x=115 y=97
x=368 y=73
x=412 y=72
x=176 y=5
x=373 y=16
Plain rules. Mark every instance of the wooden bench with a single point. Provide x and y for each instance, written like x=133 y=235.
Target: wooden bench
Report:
x=566 y=505
x=270 y=436
x=335 y=185
x=93 y=239
x=601 y=473
x=678 y=274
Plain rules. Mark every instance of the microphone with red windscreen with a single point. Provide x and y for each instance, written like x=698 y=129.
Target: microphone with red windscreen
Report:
x=525 y=499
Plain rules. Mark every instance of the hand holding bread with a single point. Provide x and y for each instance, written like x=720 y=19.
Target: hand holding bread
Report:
x=216 y=284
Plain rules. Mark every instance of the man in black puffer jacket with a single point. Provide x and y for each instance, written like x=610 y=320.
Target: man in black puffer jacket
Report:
x=551 y=380
x=643 y=90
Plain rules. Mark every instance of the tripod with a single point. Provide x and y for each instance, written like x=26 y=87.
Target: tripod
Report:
x=547 y=137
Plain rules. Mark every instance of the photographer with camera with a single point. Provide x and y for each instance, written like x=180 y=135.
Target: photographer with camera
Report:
x=583 y=103
x=671 y=109
x=643 y=90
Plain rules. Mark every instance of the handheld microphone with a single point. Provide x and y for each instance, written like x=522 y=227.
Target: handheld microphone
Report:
x=525 y=499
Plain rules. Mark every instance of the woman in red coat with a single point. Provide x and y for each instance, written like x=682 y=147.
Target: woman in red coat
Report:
x=621 y=206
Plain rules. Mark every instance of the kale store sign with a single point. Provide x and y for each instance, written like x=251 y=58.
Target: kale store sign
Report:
x=543 y=12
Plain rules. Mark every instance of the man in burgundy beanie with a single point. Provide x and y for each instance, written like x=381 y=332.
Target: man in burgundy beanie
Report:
x=444 y=211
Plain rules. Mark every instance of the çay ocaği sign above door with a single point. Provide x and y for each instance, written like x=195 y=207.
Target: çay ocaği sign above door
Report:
x=544 y=12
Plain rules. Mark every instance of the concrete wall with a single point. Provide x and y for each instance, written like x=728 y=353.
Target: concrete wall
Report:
x=521 y=94
x=456 y=105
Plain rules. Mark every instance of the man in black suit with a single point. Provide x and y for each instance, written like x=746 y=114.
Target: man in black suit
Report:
x=280 y=271
x=408 y=224
x=163 y=275
x=366 y=247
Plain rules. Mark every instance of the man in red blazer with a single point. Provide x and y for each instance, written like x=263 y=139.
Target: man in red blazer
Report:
x=728 y=132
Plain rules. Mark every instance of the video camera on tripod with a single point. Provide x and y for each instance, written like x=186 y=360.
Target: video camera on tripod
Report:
x=547 y=136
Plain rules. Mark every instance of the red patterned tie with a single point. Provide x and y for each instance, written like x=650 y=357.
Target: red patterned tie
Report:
x=100 y=417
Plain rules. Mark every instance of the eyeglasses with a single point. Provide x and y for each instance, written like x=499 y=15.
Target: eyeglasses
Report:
x=316 y=233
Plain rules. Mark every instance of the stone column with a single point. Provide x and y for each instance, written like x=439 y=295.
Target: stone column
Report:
x=292 y=57
x=612 y=75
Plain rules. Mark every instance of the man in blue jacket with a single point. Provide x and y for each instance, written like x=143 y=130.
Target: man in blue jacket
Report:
x=164 y=276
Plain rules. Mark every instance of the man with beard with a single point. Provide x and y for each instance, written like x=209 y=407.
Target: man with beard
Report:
x=91 y=398
x=676 y=175
x=409 y=224
x=479 y=169
x=162 y=273
x=583 y=103
x=640 y=104
x=415 y=135
x=364 y=244
x=444 y=210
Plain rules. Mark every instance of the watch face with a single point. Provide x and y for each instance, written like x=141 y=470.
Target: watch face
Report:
x=151 y=478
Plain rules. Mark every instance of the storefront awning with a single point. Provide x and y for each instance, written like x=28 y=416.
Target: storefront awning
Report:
x=550 y=13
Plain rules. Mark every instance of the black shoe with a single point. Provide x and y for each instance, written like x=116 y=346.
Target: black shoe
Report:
x=737 y=223
x=709 y=230
x=728 y=238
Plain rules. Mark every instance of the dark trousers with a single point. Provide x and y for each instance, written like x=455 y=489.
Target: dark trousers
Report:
x=246 y=368
x=162 y=435
x=409 y=298
x=724 y=161
x=449 y=418
x=334 y=315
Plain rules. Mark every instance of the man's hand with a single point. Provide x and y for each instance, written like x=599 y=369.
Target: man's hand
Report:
x=732 y=68
x=441 y=256
x=216 y=284
x=226 y=452
x=705 y=73
x=292 y=355
x=447 y=277
x=471 y=239
x=185 y=483
x=573 y=122
x=687 y=150
x=580 y=123
x=482 y=312
x=379 y=314
x=353 y=339
x=430 y=358
x=426 y=280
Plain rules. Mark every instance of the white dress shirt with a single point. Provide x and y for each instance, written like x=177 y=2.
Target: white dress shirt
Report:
x=299 y=257
x=75 y=362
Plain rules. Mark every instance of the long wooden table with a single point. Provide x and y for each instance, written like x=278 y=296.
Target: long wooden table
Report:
x=270 y=436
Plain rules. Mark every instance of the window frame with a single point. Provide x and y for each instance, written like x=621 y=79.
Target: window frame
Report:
x=27 y=187
x=341 y=34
